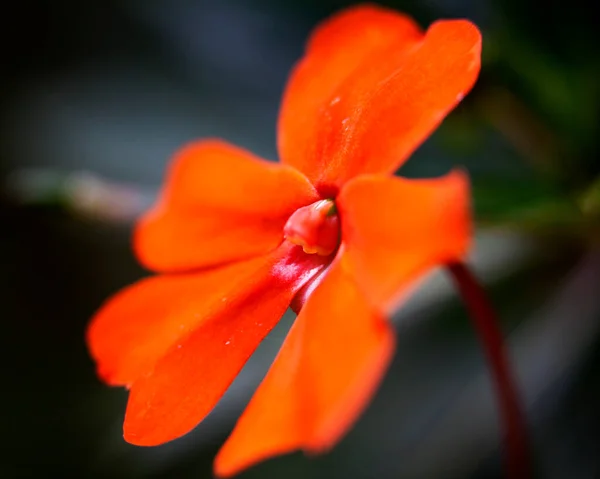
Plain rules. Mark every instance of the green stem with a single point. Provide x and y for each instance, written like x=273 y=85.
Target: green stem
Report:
x=517 y=460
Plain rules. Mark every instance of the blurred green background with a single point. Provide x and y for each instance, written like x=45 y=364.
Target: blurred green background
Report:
x=96 y=95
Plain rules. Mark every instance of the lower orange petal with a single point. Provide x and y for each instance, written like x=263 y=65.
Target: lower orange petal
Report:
x=190 y=377
x=136 y=327
x=327 y=370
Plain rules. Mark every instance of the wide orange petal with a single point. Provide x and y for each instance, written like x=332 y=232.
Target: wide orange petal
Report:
x=369 y=90
x=136 y=327
x=201 y=341
x=394 y=230
x=219 y=204
x=327 y=370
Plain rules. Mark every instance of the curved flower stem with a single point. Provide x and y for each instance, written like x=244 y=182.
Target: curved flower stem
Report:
x=486 y=324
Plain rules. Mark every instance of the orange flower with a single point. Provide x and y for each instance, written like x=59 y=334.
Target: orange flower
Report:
x=236 y=240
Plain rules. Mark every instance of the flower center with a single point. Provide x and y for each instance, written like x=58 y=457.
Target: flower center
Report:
x=315 y=227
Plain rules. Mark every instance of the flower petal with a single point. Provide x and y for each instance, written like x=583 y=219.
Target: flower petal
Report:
x=327 y=370
x=337 y=49
x=369 y=90
x=222 y=329
x=396 y=229
x=220 y=204
x=139 y=324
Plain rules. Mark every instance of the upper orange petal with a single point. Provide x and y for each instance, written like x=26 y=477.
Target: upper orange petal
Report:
x=219 y=204
x=395 y=229
x=327 y=370
x=370 y=88
x=200 y=343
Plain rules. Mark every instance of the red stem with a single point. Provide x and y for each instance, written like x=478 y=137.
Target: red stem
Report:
x=486 y=324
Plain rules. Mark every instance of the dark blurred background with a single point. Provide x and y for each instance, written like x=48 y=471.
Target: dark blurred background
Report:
x=96 y=95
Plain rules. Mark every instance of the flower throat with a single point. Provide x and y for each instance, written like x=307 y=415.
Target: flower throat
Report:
x=315 y=227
